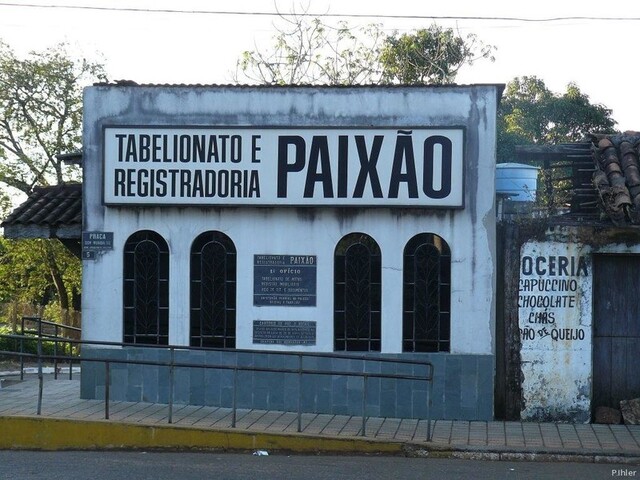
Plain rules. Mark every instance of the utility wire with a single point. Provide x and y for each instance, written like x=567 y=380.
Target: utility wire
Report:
x=325 y=15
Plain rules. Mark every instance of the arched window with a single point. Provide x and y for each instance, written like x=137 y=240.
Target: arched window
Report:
x=426 y=295
x=146 y=289
x=213 y=291
x=357 y=291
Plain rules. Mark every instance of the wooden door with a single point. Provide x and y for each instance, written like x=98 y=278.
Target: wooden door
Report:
x=616 y=329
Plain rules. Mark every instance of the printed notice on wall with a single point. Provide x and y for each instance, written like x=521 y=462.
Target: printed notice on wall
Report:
x=284 y=280
x=283 y=332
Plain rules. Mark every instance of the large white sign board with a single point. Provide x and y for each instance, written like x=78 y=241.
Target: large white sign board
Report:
x=418 y=167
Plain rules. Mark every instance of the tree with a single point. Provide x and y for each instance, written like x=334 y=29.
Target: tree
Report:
x=38 y=271
x=308 y=51
x=40 y=117
x=40 y=114
x=531 y=114
x=429 y=56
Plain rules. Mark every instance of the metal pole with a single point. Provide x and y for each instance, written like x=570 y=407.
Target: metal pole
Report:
x=364 y=403
x=299 y=392
x=22 y=349
x=171 y=350
x=107 y=381
x=40 y=378
x=429 y=404
x=70 y=361
x=55 y=352
x=71 y=345
x=235 y=385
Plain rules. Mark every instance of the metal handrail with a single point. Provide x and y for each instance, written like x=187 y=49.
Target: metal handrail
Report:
x=172 y=364
x=48 y=322
x=40 y=334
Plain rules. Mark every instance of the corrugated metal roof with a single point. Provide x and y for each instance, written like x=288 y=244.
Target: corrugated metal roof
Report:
x=132 y=83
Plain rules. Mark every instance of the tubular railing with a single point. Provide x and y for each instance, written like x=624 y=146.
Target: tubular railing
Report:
x=172 y=365
x=55 y=337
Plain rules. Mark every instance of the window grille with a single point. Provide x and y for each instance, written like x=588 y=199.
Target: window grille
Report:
x=357 y=294
x=146 y=289
x=213 y=291
x=426 y=295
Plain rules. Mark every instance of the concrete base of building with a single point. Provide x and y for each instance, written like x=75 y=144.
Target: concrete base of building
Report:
x=462 y=385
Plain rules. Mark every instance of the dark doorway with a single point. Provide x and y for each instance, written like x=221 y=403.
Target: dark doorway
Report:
x=616 y=329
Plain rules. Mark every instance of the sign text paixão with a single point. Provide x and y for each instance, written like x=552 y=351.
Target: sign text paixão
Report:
x=293 y=166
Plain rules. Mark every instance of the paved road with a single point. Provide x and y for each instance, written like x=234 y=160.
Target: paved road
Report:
x=21 y=465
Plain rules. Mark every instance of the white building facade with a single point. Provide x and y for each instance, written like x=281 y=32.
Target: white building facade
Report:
x=294 y=219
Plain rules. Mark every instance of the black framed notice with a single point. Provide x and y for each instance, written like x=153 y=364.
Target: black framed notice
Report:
x=284 y=332
x=284 y=280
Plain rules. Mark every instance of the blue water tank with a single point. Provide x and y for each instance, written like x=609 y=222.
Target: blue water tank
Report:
x=517 y=181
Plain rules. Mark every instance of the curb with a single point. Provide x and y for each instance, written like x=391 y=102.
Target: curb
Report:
x=29 y=433
x=511 y=454
x=47 y=433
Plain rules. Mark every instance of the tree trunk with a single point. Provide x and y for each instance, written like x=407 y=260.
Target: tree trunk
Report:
x=56 y=275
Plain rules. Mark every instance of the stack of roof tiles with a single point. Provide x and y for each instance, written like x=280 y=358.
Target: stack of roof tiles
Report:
x=617 y=175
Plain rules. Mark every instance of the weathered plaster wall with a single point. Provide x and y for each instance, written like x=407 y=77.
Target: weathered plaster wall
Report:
x=555 y=315
x=555 y=330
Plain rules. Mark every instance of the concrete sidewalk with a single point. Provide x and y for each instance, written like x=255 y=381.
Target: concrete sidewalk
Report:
x=69 y=422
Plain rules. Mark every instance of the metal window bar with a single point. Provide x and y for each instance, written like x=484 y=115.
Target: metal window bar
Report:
x=145 y=288
x=426 y=294
x=428 y=377
x=357 y=271
x=213 y=283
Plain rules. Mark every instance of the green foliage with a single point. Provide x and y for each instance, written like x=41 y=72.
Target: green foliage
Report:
x=40 y=117
x=531 y=114
x=28 y=345
x=7 y=344
x=307 y=51
x=26 y=276
x=5 y=204
x=429 y=56
x=40 y=114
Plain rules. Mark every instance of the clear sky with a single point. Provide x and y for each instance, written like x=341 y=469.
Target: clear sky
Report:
x=147 y=47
